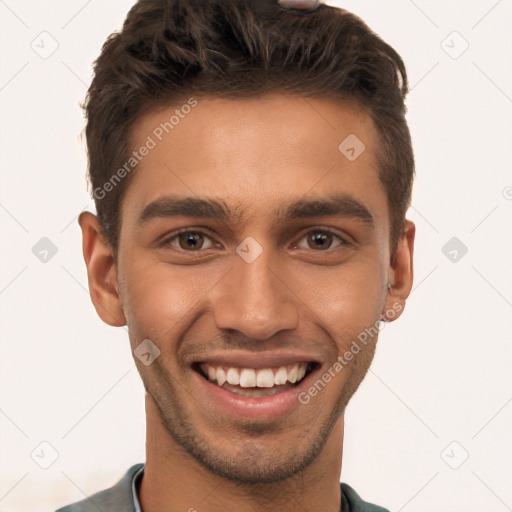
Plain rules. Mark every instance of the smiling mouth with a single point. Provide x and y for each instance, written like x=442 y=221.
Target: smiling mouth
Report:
x=255 y=382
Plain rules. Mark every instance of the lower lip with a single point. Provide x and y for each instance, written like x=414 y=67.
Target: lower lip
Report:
x=263 y=407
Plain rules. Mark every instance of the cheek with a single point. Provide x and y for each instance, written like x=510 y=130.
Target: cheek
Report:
x=346 y=299
x=160 y=298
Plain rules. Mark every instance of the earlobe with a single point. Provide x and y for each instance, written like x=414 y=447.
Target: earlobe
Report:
x=401 y=274
x=393 y=308
x=101 y=272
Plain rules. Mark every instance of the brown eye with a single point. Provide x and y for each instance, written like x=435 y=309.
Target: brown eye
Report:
x=189 y=241
x=321 y=241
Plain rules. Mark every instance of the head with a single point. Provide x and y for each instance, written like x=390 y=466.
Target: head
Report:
x=251 y=169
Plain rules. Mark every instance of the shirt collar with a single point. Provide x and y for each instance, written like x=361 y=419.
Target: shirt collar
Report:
x=135 y=479
x=138 y=475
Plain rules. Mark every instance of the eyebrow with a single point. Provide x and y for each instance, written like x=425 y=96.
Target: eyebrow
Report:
x=340 y=205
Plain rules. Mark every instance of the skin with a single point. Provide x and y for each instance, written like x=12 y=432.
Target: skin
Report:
x=256 y=155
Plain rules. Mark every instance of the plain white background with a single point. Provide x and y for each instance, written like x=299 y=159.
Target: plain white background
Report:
x=440 y=387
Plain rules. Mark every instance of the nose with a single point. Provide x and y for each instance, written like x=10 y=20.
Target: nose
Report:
x=255 y=299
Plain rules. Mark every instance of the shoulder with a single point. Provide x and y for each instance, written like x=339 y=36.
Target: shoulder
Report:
x=118 y=498
x=356 y=503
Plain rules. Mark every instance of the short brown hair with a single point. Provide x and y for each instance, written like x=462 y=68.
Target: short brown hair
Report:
x=171 y=49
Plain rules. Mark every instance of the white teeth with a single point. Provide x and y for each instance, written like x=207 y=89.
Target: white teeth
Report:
x=211 y=373
x=233 y=377
x=220 y=376
x=281 y=376
x=292 y=374
x=265 y=378
x=247 y=378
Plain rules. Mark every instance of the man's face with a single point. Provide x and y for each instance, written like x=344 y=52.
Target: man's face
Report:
x=282 y=269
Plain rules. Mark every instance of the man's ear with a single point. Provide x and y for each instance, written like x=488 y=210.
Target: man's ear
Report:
x=101 y=271
x=400 y=274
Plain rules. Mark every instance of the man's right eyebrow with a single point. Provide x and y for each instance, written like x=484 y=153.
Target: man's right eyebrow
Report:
x=184 y=206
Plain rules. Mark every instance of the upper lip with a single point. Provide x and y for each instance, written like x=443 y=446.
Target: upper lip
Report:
x=244 y=359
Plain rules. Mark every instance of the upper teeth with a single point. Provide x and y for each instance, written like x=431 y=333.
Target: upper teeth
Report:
x=249 y=377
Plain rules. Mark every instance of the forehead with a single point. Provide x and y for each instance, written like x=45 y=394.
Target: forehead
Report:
x=256 y=153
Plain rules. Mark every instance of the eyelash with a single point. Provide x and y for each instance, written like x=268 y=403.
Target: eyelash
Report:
x=167 y=242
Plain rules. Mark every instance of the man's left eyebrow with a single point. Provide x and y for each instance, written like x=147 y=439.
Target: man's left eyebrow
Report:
x=334 y=205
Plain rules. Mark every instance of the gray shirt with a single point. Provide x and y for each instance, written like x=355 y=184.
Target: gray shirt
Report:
x=123 y=497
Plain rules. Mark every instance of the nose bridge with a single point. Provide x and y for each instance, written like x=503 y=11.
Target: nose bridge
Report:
x=253 y=299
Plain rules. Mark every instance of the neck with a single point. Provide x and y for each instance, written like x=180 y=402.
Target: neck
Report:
x=175 y=481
